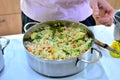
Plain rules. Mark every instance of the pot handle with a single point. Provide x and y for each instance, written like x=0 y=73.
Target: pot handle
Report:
x=27 y=26
x=3 y=43
x=89 y=61
x=93 y=60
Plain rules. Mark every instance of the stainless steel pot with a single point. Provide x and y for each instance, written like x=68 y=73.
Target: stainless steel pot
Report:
x=3 y=43
x=117 y=25
x=60 y=68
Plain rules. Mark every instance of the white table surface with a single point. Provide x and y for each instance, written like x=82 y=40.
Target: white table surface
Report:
x=17 y=68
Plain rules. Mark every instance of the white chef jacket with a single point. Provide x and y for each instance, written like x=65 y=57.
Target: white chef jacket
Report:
x=44 y=10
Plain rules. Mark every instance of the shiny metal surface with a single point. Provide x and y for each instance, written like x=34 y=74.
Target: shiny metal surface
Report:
x=3 y=44
x=113 y=50
x=59 y=68
x=1 y=60
x=117 y=25
x=106 y=46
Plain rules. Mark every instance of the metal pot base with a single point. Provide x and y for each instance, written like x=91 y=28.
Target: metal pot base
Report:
x=60 y=76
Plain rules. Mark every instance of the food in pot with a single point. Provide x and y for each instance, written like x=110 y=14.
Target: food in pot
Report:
x=58 y=43
x=115 y=45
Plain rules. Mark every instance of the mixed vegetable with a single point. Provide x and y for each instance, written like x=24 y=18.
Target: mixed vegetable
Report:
x=60 y=42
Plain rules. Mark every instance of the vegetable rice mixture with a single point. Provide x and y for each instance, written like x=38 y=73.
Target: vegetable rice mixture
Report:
x=58 y=43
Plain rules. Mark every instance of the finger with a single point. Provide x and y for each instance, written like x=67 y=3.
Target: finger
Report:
x=94 y=5
x=108 y=8
x=106 y=21
x=109 y=23
x=103 y=20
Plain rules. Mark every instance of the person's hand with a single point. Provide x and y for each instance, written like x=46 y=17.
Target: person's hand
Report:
x=102 y=11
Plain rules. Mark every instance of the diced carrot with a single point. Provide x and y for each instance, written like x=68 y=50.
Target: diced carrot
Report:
x=30 y=49
x=86 y=49
x=40 y=51
x=48 y=47
x=53 y=58
x=51 y=51
x=74 y=45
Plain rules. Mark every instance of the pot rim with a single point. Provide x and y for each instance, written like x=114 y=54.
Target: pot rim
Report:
x=43 y=59
x=61 y=60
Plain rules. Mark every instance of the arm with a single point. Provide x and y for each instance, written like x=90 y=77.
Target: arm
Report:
x=102 y=6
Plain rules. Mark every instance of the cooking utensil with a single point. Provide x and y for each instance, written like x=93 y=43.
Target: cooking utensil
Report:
x=60 y=68
x=117 y=25
x=106 y=46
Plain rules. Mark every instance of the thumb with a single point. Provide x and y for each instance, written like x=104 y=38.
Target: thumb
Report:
x=94 y=5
